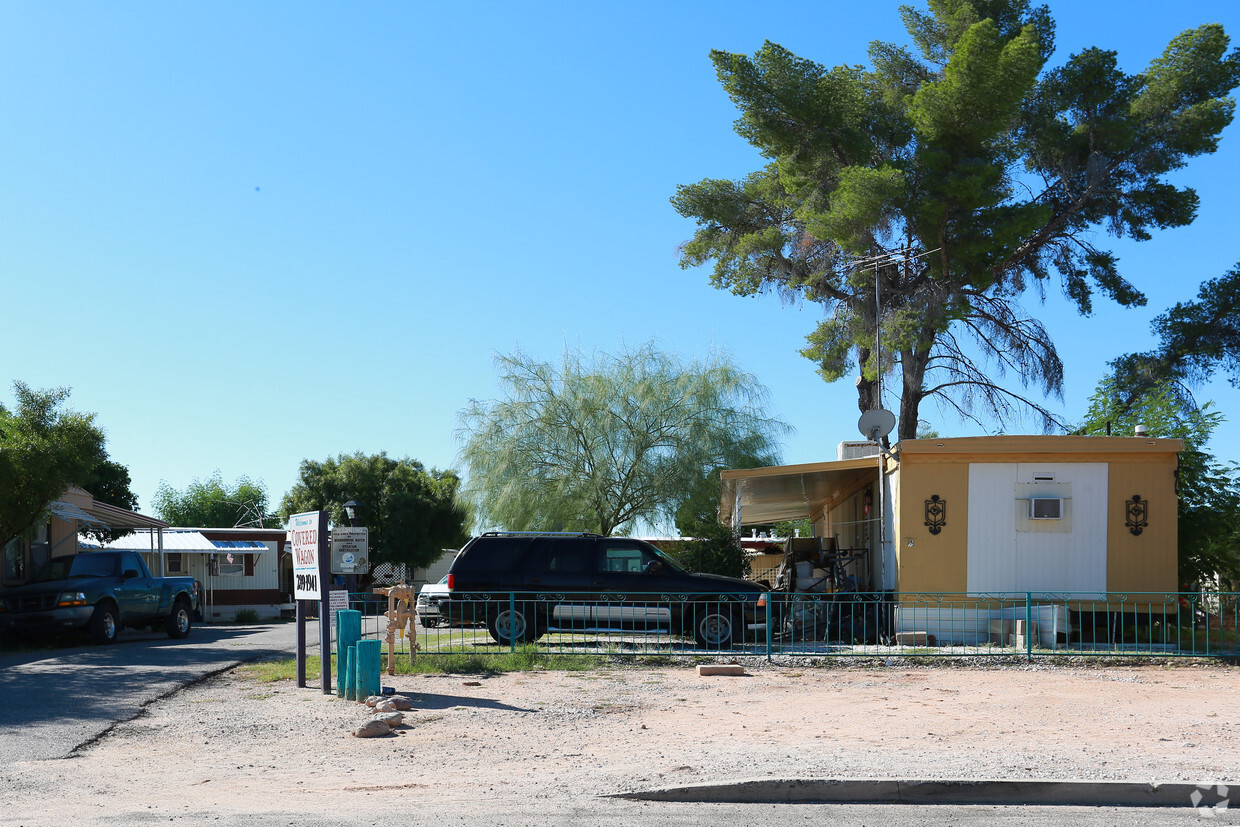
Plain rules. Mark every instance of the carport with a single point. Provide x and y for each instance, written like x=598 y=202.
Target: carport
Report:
x=156 y=546
x=840 y=499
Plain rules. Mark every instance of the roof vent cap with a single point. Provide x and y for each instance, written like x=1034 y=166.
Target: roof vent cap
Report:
x=1141 y=430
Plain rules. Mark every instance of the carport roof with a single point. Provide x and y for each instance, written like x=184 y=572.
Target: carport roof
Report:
x=176 y=541
x=790 y=492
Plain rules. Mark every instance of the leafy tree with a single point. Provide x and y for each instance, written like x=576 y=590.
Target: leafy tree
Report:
x=108 y=482
x=1209 y=492
x=597 y=444
x=413 y=514
x=212 y=503
x=1196 y=339
x=956 y=179
x=45 y=448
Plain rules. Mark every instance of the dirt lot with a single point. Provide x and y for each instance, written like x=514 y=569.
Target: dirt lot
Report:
x=229 y=744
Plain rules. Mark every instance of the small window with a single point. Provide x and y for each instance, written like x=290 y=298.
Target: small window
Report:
x=625 y=559
x=231 y=565
x=1046 y=508
x=175 y=563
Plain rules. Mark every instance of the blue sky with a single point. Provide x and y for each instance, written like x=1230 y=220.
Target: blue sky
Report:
x=246 y=234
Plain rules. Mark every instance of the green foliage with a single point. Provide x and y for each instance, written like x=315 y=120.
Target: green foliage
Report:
x=1209 y=492
x=44 y=449
x=212 y=503
x=714 y=549
x=594 y=445
x=109 y=482
x=524 y=659
x=1196 y=338
x=413 y=514
x=974 y=172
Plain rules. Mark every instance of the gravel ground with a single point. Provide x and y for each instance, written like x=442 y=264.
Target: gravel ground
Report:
x=230 y=745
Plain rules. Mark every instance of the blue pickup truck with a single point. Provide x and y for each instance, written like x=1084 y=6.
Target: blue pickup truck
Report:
x=101 y=592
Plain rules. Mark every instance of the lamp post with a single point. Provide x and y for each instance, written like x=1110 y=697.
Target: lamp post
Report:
x=352 y=508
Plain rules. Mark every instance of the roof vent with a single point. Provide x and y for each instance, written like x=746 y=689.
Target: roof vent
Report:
x=1141 y=430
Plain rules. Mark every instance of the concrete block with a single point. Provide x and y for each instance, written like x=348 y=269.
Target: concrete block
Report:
x=704 y=670
x=914 y=639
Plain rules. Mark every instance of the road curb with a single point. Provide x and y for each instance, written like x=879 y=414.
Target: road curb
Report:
x=942 y=791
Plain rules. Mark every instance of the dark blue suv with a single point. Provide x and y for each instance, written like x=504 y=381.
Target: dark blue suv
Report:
x=524 y=585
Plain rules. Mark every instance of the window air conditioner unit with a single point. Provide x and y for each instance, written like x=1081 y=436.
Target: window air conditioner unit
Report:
x=1046 y=508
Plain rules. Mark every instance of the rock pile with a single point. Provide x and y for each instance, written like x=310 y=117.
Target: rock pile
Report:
x=386 y=714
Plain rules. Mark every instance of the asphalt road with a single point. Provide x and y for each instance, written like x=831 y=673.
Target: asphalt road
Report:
x=56 y=700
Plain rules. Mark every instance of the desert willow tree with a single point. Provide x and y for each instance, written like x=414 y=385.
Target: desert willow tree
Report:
x=598 y=443
x=964 y=145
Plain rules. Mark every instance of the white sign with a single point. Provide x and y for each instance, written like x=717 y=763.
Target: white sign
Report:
x=349 y=550
x=337 y=599
x=304 y=529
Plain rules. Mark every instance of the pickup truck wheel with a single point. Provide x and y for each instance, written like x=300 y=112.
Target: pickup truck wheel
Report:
x=179 y=622
x=104 y=624
x=427 y=623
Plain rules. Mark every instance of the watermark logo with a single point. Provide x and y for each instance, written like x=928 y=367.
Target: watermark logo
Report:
x=1210 y=800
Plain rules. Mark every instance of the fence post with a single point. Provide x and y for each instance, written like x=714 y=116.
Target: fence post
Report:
x=1029 y=626
x=769 y=631
x=512 y=613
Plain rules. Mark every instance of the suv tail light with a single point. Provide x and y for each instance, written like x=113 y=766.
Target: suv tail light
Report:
x=451 y=581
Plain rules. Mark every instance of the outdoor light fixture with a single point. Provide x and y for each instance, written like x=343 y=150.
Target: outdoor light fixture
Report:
x=351 y=508
x=936 y=513
x=1136 y=514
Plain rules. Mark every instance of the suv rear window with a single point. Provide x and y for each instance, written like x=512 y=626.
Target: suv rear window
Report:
x=563 y=555
x=493 y=553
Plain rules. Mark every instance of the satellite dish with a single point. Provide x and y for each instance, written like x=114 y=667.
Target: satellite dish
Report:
x=876 y=424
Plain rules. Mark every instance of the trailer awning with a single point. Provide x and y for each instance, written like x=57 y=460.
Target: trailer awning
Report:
x=791 y=492
x=175 y=541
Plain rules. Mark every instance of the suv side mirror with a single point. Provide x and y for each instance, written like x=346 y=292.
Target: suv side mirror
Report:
x=129 y=574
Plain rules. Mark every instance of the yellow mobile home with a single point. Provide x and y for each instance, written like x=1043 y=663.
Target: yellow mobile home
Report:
x=1062 y=518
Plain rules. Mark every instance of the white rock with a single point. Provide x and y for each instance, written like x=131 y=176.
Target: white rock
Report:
x=392 y=719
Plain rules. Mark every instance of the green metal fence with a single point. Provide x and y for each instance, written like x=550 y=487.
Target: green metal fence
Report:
x=1041 y=624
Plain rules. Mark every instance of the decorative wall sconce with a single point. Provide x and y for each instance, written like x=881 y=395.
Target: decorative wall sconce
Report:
x=1136 y=514
x=936 y=513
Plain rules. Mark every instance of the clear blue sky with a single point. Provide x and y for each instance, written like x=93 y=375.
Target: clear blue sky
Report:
x=246 y=234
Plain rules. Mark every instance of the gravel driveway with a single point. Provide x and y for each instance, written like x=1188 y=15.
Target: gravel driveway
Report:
x=557 y=739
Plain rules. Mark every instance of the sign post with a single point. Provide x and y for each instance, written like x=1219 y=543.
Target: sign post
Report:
x=310 y=576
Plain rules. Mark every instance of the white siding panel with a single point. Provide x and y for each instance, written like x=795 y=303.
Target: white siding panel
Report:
x=1010 y=553
x=992 y=528
x=1075 y=560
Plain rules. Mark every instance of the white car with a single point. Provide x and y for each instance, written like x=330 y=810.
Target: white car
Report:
x=427 y=605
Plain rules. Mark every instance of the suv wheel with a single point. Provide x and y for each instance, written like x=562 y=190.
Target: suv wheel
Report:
x=713 y=628
x=508 y=625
